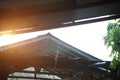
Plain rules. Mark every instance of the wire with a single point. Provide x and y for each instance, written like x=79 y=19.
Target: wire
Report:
x=55 y=66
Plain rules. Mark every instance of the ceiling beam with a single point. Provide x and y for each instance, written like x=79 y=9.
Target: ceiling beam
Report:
x=37 y=17
x=22 y=77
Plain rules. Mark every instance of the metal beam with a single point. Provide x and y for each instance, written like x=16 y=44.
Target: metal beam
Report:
x=41 y=18
x=28 y=77
x=48 y=73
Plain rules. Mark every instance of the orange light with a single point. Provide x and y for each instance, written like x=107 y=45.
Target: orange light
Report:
x=8 y=38
x=6 y=35
x=5 y=39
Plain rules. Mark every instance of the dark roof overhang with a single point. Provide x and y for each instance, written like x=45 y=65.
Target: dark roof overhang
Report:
x=34 y=15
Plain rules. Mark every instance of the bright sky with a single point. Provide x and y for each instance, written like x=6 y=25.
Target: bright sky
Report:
x=88 y=38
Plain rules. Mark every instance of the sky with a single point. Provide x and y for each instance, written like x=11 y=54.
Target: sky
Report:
x=87 y=37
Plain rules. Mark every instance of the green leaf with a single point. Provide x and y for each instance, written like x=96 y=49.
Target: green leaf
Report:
x=118 y=21
x=112 y=39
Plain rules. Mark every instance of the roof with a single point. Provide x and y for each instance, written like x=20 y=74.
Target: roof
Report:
x=46 y=45
x=48 y=56
x=21 y=16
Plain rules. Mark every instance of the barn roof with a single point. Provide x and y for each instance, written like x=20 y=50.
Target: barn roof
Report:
x=47 y=45
x=48 y=53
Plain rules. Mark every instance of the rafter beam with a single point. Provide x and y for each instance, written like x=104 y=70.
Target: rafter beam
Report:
x=28 y=77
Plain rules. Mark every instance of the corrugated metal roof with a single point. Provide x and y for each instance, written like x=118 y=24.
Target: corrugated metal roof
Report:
x=48 y=55
x=35 y=15
x=46 y=45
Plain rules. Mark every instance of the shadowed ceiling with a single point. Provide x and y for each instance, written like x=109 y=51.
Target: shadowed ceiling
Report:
x=21 y=16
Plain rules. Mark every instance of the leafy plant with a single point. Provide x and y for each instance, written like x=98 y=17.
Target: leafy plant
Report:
x=112 y=39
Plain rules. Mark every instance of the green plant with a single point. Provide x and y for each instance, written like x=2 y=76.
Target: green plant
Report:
x=112 y=39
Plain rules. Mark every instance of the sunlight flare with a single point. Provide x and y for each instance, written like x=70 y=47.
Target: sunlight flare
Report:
x=6 y=39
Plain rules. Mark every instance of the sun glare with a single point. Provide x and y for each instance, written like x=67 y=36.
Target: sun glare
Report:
x=6 y=35
x=5 y=39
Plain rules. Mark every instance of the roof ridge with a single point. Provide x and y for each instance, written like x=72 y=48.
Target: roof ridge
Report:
x=51 y=37
x=24 y=42
x=72 y=47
